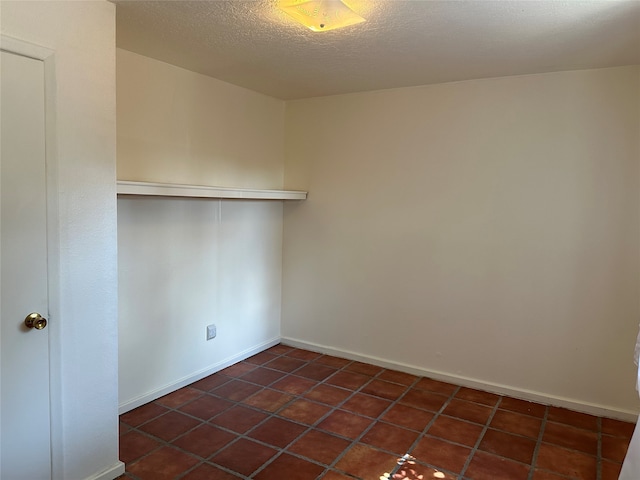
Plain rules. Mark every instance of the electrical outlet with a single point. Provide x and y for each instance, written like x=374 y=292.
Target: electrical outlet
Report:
x=211 y=331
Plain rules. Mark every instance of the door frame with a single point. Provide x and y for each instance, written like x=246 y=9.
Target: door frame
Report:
x=47 y=56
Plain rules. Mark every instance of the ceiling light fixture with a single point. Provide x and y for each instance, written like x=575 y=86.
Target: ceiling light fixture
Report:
x=320 y=15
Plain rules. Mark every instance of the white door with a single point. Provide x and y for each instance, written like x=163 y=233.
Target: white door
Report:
x=25 y=448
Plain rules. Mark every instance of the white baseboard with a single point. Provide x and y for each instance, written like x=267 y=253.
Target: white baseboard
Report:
x=110 y=473
x=194 y=377
x=532 y=396
x=572 y=404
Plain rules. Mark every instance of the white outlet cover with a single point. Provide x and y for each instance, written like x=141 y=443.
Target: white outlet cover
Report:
x=211 y=332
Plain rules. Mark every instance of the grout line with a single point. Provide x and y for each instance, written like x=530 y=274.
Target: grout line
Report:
x=428 y=426
x=436 y=416
x=354 y=441
x=484 y=430
x=599 y=453
x=536 y=449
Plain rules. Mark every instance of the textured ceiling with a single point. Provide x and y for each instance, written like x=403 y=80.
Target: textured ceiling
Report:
x=403 y=43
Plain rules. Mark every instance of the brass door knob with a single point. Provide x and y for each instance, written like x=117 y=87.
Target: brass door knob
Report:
x=35 y=320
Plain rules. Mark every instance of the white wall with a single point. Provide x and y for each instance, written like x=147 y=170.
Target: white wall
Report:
x=483 y=231
x=83 y=327
x=181 y=127
x=186 y=263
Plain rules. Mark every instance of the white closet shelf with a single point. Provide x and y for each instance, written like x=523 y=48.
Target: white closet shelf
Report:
x=201 y=191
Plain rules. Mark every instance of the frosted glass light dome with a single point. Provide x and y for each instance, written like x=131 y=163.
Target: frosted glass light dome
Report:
x=320 y=15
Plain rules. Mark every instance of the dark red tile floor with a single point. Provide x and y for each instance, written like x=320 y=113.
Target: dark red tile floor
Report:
x=292 y=414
